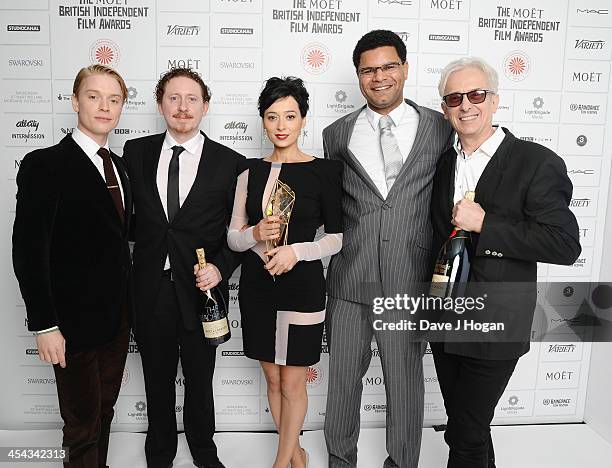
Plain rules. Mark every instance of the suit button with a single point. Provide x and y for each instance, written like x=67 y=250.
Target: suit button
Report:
x=494 y=253
x=499 y=254
x=386 y=206
x=488 y=252
x=170 y=231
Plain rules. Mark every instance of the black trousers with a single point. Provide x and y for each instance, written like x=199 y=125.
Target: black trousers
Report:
x=162 y=341
x=471 y=389
x=87 y=389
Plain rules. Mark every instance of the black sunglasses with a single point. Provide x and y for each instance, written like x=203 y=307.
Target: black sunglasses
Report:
x=476 y=96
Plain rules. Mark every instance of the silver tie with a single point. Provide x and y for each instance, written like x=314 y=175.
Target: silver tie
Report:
x=392 y=156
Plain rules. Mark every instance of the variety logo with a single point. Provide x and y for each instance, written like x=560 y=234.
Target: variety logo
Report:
x=23 y=27
x=404 y=35
x=105 y=52
x=315 y=58
x=180 y=30
x=517 y=65
x=314 y=376
x=580 y=202
x=588 y=44
x=561 y=348
x=241 y=31
x=444 y=37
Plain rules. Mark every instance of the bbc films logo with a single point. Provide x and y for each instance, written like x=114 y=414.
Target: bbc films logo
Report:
x=314 y=376
x=315 y=58
x=105 y=52
x=516 y=65
x=237 y=31
x=182 y=30
x=589 y=45
x=445 y=37
x=131 y=131
x=23 y=27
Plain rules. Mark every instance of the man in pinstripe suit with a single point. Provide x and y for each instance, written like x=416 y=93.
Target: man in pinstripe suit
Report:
x=390 y=148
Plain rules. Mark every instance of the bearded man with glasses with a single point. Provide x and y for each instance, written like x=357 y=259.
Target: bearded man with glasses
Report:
x=519 y=216
x=389 y=150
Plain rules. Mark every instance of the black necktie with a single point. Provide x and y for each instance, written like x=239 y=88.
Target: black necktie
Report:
x=111 y=181
x=173 y=182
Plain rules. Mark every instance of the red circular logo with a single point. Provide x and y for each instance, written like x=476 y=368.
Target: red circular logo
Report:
x=315 y=58
x=517 y=65
x=314 y=376
x=104 y=52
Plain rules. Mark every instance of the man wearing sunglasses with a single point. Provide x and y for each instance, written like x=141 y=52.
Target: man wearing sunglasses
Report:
x=389 y=149
x=520 y=216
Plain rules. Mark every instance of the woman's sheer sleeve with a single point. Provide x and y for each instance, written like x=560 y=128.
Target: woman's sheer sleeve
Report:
x=239 y=235
x=329 y=244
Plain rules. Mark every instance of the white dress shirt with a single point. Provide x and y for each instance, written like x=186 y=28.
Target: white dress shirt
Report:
x=365 y=140
x=90 y=148
x=469 y=168
x=189 y=160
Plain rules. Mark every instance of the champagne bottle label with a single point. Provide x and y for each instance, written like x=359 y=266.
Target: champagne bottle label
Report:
x=215 y=329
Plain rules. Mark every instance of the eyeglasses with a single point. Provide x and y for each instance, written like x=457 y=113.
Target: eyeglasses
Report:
x=476 y=96
x=386 y=68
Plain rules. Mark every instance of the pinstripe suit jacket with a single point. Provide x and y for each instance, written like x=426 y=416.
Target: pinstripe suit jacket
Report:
x=387 y=242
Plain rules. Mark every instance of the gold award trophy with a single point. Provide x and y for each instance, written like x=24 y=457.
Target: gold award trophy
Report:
x=280 y=204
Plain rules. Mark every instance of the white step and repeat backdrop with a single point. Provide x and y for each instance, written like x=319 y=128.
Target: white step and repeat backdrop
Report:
x=553 y=57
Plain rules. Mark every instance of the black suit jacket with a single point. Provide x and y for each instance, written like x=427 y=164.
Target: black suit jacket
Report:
x=70 y=248
x=201 y=222
x=525 y=192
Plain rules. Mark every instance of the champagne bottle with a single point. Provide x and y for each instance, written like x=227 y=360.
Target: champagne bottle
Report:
x=213 y=313
x=452 y=268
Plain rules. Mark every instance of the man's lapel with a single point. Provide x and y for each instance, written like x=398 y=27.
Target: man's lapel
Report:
x=150 y=158
x=346 y=131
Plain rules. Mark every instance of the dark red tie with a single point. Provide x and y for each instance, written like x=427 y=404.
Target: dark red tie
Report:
x=111 y=181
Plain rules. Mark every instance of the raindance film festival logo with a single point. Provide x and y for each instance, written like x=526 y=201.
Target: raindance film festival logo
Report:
x=314 y=376
x=375 y=408
x=585 y=109
x=516 y=66
x=104 y=52
x=315 y=58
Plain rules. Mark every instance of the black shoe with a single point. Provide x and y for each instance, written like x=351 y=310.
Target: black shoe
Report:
x=214 y=464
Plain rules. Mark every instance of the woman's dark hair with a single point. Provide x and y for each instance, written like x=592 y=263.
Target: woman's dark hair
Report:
x=277 y=88
x=378 y=38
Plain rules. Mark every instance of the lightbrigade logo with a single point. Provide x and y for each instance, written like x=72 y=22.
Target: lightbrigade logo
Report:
x=516 y=65
x=105 y=52
x=315 y=58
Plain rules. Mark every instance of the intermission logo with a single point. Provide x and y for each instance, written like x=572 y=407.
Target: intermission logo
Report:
x=23 y=27
x=239 y=130
x=27 y=130
x=315 y=58
x=588 y=44
x=182 y=30
x=516 y=65
x=105 y=52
